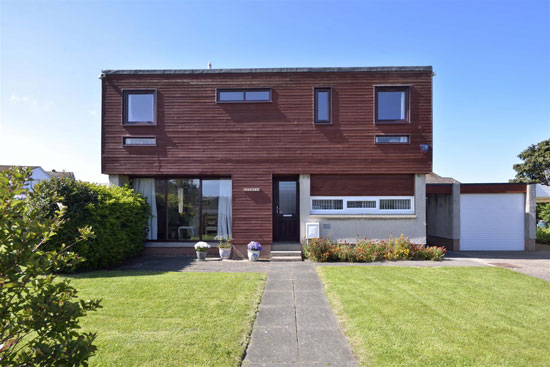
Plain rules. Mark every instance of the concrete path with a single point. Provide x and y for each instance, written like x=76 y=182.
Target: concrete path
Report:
x=295 y=325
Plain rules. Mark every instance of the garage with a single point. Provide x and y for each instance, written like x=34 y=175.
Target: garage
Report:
x=492 y=222
x=481 y=216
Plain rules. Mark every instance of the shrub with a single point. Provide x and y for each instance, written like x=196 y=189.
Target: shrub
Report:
x=325 y=250
x=543 y=211
x=39 y=312
x=543 y=235
x=117 y=215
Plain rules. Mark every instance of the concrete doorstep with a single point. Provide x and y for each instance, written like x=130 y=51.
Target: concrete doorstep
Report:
x=295 y=325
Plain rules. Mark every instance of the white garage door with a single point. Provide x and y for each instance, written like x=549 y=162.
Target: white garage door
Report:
x=492 y=222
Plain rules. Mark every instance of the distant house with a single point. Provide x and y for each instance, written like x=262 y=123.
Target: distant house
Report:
x=53 y=173
x=39 y=174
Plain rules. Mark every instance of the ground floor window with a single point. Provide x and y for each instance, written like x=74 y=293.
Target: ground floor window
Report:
x=188 y=209
x=362 y=205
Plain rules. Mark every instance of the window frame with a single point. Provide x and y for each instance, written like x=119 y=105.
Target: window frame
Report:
x=316 y=120
x=393 y=88
x=392 y=135
x=244 y=90
x=125 y=94
x=361 y=211
x=138 y=137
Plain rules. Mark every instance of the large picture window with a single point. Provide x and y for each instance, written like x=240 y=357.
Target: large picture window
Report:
x=188 y=209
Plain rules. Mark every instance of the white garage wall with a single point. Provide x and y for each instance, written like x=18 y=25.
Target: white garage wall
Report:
x=492 y=222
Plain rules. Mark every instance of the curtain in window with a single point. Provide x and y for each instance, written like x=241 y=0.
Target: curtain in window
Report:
x=146 y=187
x=224 y=210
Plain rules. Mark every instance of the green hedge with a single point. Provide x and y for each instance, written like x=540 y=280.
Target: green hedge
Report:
x=117 y=215
x=543 y=235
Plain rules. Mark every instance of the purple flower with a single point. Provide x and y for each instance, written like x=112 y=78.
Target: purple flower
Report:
x=254 y=246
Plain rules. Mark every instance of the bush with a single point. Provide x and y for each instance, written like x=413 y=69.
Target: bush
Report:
x=39 y=312
x=117 y=216
x=543 y=212
x=543 y=235
x=325 y=250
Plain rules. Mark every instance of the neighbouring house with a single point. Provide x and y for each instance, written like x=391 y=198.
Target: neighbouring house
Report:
x=39 y=174
x=271 y=155
x=543 y=193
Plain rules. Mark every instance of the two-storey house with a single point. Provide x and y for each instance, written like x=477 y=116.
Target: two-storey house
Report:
x=256 y=154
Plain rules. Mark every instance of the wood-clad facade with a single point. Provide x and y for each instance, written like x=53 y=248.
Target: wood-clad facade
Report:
x=198 y=136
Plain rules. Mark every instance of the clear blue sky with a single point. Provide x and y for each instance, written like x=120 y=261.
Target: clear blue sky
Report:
x=492 y=59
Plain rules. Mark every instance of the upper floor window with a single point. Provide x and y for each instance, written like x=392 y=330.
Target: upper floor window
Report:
x=243 y=95
x=322 y=105
x=139 y=107
x=142 y=140
x=392 y=104
x=392 y=139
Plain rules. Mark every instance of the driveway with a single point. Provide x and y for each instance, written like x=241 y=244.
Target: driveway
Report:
x=535 y=264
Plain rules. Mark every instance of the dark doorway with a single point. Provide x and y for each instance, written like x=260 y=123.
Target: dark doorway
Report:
x=286 y=210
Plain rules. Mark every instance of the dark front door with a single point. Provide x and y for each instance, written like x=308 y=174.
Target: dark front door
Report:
x=286 y=218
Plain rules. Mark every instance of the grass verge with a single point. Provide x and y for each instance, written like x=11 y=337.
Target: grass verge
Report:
x=474 y=316
x=170 y=319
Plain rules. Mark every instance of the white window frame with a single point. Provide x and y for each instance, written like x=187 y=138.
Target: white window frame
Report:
x=359 y=211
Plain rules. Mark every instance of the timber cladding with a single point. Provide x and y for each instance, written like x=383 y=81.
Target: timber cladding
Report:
x=362 y=185
x=197 y=136
x=252 y=210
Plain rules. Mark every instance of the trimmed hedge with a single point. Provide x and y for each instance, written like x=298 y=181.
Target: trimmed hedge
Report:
x=325 y=250
x=118 y=217
x=543 y=235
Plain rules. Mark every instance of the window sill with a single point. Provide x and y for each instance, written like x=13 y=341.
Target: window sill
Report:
x=175 y=244
x=127 y=124
x=391 y=122
x=363 y=216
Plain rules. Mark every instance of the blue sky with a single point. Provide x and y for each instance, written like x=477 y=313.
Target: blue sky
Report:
x=492 y=59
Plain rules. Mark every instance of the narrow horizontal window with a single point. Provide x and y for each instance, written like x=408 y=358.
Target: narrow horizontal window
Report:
x=151 y=140
x=319 y=204
x=361 y=204
x=392 y=104
x=395 y=204
x=322 y=105
x=139 y=107
x=392 y=139
x=244 y=95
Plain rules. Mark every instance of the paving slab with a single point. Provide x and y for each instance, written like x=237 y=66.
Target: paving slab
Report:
x=279 y=284
x=314 y=318
x=326 y=346
x=272 y=345
x=276 y=316
x=308 y=298
x=278 y=298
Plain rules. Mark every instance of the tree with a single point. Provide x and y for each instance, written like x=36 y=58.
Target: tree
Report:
x=39 y=312
x=536 y=165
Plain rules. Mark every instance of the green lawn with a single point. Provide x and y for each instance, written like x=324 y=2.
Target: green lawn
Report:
x=442 y=316
x=170 y=319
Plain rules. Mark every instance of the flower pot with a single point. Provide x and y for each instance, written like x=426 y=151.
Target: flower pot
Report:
x=201 y=255
x=253 y=255
x=225 y=253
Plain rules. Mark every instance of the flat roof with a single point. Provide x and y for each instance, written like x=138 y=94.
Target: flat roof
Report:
x=270 y=70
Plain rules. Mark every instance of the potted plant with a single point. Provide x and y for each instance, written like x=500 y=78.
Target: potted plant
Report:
x=201 y=248
x=225 y=248
x=254 y=249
